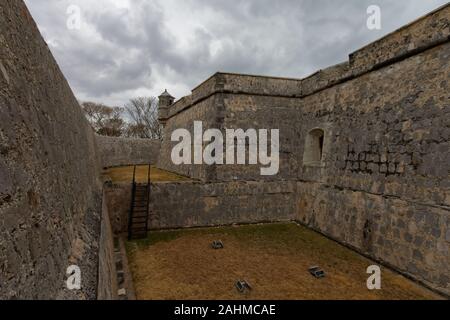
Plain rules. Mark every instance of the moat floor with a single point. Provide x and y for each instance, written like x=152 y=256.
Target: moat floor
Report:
x=274 y=259
x=125 y=174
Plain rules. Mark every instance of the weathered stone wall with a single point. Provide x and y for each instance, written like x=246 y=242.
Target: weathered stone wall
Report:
x=387 y=136
x=383 y=185
x=118 y=202
x=191 y=204
x=210 y=103
x=197 y=204
x=429 y=30
x=49 y=189
x=409 y=236
x=107 y=287
x=207 y=111
x=263 y=112
x=388 y=131
x=115 y=152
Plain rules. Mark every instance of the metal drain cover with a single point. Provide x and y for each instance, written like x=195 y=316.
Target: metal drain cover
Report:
x=243 y=286
x=317 y=272
x=218 y=244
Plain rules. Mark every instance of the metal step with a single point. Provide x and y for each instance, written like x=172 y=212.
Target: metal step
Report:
x=141 y=213
x=141 y=225
x=140 y=220
x=139 y=230
x=139 y=217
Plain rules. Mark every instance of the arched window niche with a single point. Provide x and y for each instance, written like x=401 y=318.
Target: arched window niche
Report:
x=313 y=152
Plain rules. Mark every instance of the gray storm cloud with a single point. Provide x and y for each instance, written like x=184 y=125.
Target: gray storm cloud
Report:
x=130 y=48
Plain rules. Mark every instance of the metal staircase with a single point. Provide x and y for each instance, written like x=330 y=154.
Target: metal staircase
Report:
x=139 y=209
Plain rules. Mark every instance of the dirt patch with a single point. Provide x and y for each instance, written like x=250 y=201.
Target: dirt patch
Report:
x=274 y=259
x=125 y=174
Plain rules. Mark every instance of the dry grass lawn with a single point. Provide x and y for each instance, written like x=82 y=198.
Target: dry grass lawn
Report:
x=125 y=174
x=273 y=258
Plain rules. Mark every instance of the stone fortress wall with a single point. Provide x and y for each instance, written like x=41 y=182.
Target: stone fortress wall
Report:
x=116 y=152
x=190 y=204
x=383 y=184
x=50 y=188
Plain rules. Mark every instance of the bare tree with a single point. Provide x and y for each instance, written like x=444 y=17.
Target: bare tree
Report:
x=105 y=120
x=143 y=114
x=141 y=121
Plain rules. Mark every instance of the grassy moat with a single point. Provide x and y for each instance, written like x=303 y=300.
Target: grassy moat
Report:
x=273 y=258
x=125 y=174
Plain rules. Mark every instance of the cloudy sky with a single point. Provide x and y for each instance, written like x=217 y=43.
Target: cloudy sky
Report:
x=128 y=48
